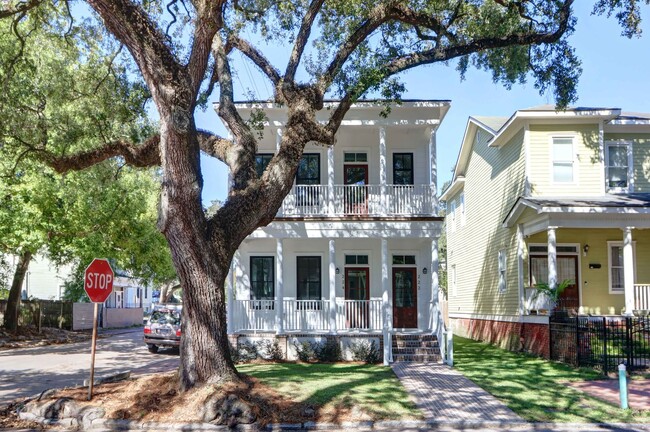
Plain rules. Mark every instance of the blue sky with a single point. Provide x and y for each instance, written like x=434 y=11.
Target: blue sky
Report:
x=615 y=74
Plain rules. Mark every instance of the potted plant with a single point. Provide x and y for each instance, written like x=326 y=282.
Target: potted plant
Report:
x=551 y=294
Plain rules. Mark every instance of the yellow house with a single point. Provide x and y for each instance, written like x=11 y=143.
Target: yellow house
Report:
x=548 y=197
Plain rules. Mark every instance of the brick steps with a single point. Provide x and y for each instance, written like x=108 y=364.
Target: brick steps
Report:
x=415 y=348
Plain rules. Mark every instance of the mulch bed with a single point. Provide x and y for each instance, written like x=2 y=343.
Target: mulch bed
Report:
x=28 y=336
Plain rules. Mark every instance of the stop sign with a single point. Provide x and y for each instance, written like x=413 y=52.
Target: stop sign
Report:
x=98 y=280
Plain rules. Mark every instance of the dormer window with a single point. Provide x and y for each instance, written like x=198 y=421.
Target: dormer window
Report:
x=563 y=165
x=618 y=166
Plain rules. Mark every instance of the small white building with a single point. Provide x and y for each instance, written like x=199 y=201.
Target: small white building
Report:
x=43 y=280
x=353 y=252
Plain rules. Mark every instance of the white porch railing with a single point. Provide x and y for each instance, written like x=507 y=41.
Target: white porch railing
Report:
x=307 y=315
x=359 y=200
x=358 y=314
x=642 y=296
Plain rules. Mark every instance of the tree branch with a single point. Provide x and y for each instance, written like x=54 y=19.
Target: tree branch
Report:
x=243 y=167
x=132 y=26
x=8 y=9
x=216 y=146
x=256 y=57
x=143 y=155
x=209 y=21
x=301 y=40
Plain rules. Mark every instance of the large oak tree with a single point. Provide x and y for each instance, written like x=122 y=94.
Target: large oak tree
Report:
x=336 y=48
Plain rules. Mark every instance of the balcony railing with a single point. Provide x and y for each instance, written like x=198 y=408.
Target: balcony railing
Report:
x=307 y=315
x=642 y=296
x=360 y=200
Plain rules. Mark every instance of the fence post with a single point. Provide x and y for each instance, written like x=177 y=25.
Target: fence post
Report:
x=605 y=355
x=577 y=341
x=628 y=340
x=39 y=316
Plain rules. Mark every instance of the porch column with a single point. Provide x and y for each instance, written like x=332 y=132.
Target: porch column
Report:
x=278 y=139
x=230 y=299
x=383 y=176
x=521 y=251
x=332 y=273
x=628 y=270
x=436 y=314
x=279 y=289
x=385 y=302
x=552 y=258
x=330 y=180
x=433 y=171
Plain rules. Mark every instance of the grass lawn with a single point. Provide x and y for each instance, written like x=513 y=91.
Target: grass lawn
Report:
x=370 y=389
x=534 y=388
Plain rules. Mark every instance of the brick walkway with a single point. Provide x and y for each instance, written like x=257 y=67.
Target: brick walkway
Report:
x=444 y=395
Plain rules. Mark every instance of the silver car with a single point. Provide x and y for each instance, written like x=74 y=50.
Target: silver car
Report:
x=163 y=329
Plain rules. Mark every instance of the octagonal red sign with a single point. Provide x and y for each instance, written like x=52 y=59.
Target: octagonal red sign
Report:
x=98 y=280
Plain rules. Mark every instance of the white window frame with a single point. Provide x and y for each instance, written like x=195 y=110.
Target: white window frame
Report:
x=502 y=259
x=454 y=287
x=609 y=264
x=574 y=173
x=630 y=166
x=462 y=208
x=452 y=213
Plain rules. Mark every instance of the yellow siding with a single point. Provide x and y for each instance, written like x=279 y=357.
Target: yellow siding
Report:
x=588 y=168
x=640 y=158
x=494 y=180
x=594 y=283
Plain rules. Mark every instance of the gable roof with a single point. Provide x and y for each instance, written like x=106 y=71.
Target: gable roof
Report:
x=503 y=129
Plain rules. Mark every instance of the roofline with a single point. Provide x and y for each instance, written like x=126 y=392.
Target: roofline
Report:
x=457 y=185
x=502 y=134
x=522 y=203
x=470 y=122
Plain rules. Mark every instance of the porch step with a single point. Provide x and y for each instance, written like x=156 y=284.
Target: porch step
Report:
x=416 y=358
x=415 y=344
x=415 y=348
x=411 y=351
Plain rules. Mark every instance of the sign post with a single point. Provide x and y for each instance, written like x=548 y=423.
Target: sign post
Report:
x=98 y=284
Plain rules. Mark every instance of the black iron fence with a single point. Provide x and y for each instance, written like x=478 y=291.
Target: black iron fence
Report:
x=601 y=342
x=43 y=313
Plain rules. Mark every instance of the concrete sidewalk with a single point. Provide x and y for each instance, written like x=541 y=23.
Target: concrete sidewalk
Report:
x=444 y=395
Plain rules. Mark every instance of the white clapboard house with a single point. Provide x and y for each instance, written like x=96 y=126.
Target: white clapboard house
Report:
x=352 y=254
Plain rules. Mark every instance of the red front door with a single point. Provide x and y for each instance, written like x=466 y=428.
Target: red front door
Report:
x=356 y=194
x=405 y=299
x=357 y=288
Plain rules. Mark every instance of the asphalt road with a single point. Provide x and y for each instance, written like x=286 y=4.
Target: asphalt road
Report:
x=28 y=371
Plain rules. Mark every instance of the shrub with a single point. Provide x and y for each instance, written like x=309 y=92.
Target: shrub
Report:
x=304 y=351
x=247 y=352
x=329 y=352
x=272 y=350
x=365 y=351
x=234 y=354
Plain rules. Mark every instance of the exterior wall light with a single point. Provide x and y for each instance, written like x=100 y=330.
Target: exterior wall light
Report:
x=585 y=249
x=424 y=270
x=338 y=271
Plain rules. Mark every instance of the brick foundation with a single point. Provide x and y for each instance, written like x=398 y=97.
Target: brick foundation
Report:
x=507 y=335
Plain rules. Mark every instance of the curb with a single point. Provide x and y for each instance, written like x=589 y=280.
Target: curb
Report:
x=123 y=425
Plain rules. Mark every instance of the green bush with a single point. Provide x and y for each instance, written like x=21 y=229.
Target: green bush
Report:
x=304 y=351
x=365 y=351
x=329 y=351
x=272 y=349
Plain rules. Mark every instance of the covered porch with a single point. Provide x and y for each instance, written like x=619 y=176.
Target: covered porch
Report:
x=596 y=244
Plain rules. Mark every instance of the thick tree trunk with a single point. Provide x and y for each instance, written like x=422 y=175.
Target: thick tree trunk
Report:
x=13 y=302
x=201 y=267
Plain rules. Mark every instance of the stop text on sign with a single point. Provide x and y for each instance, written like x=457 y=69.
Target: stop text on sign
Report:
x=99 y=281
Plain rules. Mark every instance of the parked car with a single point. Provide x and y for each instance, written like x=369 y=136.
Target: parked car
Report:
x=163 y=329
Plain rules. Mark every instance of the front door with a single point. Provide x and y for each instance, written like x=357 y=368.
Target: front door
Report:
x=357 y=292
x=567 y=269
x=356 y=194
x=405 y=301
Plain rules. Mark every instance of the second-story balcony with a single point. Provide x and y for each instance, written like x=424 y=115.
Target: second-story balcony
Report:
x=360 y=200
